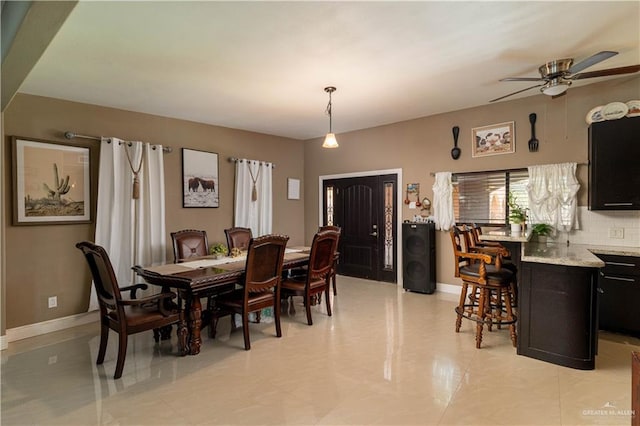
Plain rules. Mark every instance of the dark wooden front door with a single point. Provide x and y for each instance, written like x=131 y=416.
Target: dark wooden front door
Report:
x=365 y=209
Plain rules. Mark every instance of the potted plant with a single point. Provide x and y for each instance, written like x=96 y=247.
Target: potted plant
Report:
x=218 y=250
x=517 y=215
x=541 y=231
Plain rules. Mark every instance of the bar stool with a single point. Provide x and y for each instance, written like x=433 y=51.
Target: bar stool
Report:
x=471 y=236
x=485 y=297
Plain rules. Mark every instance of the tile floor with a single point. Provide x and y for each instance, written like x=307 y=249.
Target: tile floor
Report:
x=386 y=357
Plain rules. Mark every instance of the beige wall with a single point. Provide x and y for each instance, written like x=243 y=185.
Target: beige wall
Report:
x=422 y=146
x=42 y=261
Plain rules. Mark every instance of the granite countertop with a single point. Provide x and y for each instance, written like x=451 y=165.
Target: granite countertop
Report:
x=573 y=254
x=506 y=235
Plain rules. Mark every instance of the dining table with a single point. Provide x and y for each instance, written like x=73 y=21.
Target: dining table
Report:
x=205 y=276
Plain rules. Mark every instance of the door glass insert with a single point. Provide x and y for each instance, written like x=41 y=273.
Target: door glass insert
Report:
x=388 y=225
x=329 y=205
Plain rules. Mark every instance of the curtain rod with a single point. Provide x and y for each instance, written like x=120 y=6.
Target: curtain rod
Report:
x=71 y=135
x=235 y=160
x=503 y=170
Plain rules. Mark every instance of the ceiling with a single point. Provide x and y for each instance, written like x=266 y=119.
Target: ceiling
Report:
x=262 y=66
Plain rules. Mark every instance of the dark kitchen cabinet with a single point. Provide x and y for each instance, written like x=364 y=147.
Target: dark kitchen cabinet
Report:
x=614 y=175
x=619 y=284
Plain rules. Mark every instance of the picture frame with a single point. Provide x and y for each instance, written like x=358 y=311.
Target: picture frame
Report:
x=51 y=182
x=493 y=139
x=200 y=183
x=293 y=189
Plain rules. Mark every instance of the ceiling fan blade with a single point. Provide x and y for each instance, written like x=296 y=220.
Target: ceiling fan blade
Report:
x=515 y=93
x=522 y=79
x=592 y=60
x=611 y=71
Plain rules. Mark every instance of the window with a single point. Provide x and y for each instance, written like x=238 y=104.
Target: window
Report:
x=481 y=197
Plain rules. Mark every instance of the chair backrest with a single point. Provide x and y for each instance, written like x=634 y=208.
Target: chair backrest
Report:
x=323 y=251
x=468 y=237
x=459 y=260
x=238 y=237
x=189 y=243
x=104 y=278
x=330 y=228
x=264 y=263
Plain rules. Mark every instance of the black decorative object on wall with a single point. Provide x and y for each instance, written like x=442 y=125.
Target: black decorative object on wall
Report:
x=533 y=142
x=455 y=152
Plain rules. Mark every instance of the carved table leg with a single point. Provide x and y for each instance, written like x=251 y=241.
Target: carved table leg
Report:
x=183 y=343
x=195 y=321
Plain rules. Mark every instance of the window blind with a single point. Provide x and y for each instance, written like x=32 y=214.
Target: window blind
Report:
x=481 y=197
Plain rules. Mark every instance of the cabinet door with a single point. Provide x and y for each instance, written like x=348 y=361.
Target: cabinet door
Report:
x=620 y=294
x=619 y=301
x=614 y=175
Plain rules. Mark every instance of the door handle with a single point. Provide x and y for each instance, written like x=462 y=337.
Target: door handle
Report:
x=374 y=234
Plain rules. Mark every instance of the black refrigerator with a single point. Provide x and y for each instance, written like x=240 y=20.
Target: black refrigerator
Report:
x=419 y=257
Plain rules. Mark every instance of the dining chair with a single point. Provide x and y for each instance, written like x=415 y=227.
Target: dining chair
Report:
x=334 y=267
x=189 y=243
x=302 y=271
x=485 y=296
x=238 y=237
x=128 y=316
x=193 y=243
x=317 y=279
x=260 y=286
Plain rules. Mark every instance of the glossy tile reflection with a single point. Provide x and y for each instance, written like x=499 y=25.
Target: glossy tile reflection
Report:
x=385 y=357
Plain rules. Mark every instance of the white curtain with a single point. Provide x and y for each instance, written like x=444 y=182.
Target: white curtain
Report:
x=253 y=209
x=553 y=190
x=131 y=230
x=443 y=201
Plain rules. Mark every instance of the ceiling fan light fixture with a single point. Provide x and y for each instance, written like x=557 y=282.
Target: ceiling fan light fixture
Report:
x=555 y=87
x=330 y=140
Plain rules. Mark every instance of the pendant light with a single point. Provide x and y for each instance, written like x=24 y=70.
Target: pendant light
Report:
x=330 y=140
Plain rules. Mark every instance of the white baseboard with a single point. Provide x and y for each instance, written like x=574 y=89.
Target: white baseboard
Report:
x=32 y=330
x=3 y=343
x=448 y=288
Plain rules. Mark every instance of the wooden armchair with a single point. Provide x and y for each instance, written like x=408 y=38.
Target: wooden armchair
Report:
x=484 y=276
x=128 y=316
x=260 y=286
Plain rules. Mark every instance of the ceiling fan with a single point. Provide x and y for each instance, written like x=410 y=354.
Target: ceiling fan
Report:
x=557 y=75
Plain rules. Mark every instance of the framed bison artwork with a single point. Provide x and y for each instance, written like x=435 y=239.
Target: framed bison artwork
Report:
x=200 y=179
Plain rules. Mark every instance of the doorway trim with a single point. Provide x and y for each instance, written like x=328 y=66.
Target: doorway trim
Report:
x=398 y=173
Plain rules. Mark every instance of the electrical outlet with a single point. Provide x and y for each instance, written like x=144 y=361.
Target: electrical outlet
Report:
x=53 y=301
x=617 y=233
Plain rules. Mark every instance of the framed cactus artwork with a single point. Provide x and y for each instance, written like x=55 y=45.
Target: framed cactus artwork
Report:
x=51 y=183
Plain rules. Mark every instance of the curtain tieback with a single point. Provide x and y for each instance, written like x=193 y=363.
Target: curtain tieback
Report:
x=135 y=193
x=254 y=190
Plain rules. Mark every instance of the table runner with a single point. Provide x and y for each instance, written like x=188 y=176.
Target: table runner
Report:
x=227 y=263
